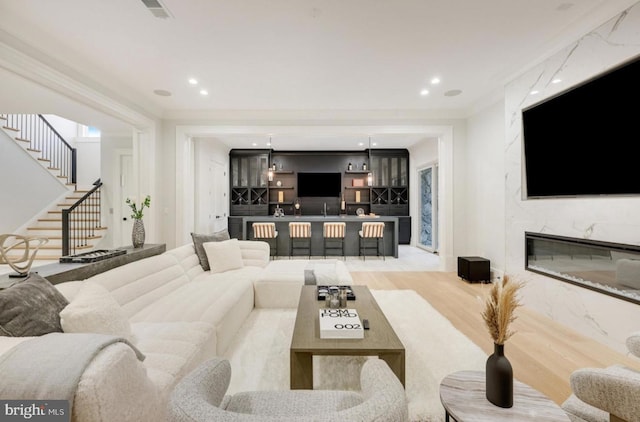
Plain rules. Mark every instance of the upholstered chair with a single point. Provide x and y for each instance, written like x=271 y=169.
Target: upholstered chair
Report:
x=371 y=231
x=300 y=233
x=200 y=396
x=606 y=394
x=333 y=232
x=266 y=232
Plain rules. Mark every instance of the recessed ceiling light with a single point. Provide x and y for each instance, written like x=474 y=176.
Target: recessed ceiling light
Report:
x=435 y=81
x=534 y=92
x=193 y=81
x=162 y=92
x=424 y=92
x=556 y=81
x=204 y=92
x=360 y=144
x=268 y=144
x=254 y=144
x=374 y=144
x=453 y=92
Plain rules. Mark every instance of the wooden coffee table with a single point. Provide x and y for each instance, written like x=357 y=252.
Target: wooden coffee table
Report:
x=463 y=396
x=380 y=340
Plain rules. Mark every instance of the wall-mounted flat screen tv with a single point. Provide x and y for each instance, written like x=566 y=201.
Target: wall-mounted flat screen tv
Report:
x=584 y=141
x=319 y=184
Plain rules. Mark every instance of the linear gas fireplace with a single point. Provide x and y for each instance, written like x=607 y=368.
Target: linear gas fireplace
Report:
x=609 y=268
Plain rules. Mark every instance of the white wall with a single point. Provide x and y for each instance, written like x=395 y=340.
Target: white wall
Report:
x=88 y=161
x=65 y=128
x=484 y=184
x=615 y=219
x=27 y=187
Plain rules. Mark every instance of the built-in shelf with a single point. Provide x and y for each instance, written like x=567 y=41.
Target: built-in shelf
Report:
x=281 y=187
x=356 y=187
x=357 y=171
x=283 y=172
x=281 y=203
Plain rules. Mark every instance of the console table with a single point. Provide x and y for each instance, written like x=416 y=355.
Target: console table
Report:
x=463 y=396
x=61 y=272
x=354 y=224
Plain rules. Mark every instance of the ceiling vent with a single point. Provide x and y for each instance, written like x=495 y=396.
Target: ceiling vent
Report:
x=157 y=9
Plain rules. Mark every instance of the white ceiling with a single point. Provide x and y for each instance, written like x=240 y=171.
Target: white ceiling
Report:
x=302 y=55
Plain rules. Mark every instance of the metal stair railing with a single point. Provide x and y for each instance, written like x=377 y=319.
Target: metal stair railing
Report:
x=44 y=138
x=81 y=220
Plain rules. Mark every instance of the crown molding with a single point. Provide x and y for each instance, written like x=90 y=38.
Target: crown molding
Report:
x=14 y=59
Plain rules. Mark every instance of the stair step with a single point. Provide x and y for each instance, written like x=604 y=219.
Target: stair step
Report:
x=11 y=128
x=44 y=159
x=17 y=138
x=34 y=150
x=81 y=212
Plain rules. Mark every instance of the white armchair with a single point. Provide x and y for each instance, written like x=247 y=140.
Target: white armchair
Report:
x=200 y=397
x=609 y=394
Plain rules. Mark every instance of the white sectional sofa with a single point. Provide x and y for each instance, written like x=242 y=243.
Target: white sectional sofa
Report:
x=179 y=316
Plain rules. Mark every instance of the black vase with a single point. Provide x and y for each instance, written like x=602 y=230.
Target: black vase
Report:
x=499 y=378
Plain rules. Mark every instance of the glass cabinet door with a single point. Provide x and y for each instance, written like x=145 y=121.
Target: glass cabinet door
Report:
x=235 y=172
x=263 y=164
x=404 y=172
x=394 y=171
x=253 y=172
x=244 y=171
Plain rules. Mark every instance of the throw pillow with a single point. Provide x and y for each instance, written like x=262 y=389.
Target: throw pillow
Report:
x=94 y=310
x=30 y=307
x=199 y=239
x=224 y=256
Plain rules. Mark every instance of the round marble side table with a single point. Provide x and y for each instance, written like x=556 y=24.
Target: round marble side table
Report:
x=464 y=399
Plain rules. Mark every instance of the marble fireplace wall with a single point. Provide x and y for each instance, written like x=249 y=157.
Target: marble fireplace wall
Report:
x=614 y=219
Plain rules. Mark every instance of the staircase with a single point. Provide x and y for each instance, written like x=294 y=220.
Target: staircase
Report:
x=84 y=222
x=50 y=226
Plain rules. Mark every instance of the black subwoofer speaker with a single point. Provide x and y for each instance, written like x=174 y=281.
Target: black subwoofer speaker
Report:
x=474 y=268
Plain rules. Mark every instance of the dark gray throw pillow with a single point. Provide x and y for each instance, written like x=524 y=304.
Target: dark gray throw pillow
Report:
x=199 y=239
x=31 y=307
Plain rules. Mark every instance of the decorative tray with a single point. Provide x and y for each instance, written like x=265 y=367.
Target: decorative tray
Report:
x=91 y=256
x=323 y=291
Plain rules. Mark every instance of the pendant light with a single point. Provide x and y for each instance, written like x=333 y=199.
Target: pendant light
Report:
x=272 y=166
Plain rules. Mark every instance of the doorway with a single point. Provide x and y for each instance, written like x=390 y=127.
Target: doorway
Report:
x=210 y=195
x=428 y=234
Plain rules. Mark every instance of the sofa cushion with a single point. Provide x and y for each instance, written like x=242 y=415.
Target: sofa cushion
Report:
x=200 y=239
x=94 y=310
x=224 y=256
x=30 y=308
x=143 y=283
x=172 y=349
x=208 y=298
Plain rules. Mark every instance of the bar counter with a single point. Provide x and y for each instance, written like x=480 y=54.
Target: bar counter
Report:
x=354 y=224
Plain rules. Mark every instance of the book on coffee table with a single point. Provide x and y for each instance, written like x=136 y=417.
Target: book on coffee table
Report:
x=340 y=323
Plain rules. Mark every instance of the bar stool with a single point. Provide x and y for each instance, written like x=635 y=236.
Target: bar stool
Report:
x=371 y=230
x=266 y=232
x=299 y=232
x=334 y=232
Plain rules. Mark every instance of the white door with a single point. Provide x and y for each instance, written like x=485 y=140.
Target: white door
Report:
x=220 y=183
x=126 y=191
x=210 y=196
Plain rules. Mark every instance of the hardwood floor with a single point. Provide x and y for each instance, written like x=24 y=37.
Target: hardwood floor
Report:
x=543 y=353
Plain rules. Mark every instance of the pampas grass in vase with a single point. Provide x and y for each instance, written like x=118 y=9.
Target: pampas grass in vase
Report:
x=498 y=314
